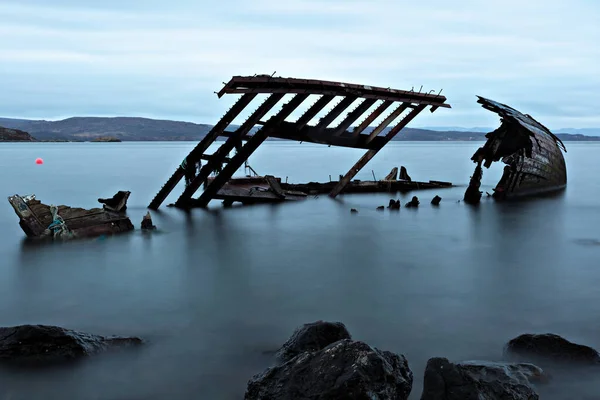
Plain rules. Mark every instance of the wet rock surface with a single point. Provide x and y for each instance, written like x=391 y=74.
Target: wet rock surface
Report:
x=551 y=348
x=345 y=369
x=480 y=380
x=436 y=200
x=41 y=344
x=313 y=336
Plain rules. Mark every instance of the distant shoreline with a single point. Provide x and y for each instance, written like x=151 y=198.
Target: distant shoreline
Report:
x=133 y=129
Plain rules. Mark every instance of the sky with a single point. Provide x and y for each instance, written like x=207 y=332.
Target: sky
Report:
x=166 y=59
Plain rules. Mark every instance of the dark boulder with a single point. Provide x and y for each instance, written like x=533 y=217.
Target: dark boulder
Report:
x=313 y=336
x=380 y=208
x=550 y=347
x=436 y=200
x=480 y=380
x=40 y=344
x=394 y=204
x=346 y=369
x=353 y=210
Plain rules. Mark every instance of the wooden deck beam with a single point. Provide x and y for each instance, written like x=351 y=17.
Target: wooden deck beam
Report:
x=218 y=158
x=353 y=116
x=369 y=120
x=335 y=112
x=388 y=120
x=371 y=153
x=251 y=145
x=194 y=155
x=313 y=111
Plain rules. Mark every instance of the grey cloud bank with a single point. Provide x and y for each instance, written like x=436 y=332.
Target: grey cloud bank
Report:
x=165 y=60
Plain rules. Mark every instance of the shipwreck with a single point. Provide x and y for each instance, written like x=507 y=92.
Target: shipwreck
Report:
x=532 y=153
x=396 y=108
x=41 y=221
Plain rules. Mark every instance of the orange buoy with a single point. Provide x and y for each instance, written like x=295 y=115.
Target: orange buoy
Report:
x=39 y=161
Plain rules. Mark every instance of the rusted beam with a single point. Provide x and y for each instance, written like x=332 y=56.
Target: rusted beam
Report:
x=269 y=84
x=335 y=112
x=342 y=93
x=376 y=113
x=251 y=145
x=313 y=111
x=195 y=154
x=388 y=120
x=371 y=153
x=218 y=158
x=353 y=116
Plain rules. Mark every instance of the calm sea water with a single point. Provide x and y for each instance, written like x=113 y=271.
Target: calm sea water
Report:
x=213 y=293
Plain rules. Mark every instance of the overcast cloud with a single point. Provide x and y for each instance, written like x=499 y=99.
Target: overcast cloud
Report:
x=164 y=59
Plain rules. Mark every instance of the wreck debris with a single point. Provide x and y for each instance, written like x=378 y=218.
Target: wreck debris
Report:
x=271 y=189
x=117 y=203
x=404 y=175
x=39 y=220
x=276 y=126
x=436 y=200
x=532 y=154
x=414 y=202
x=393 y=175
x=147 y=222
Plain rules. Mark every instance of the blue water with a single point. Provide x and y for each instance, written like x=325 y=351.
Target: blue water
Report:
x=214 y=292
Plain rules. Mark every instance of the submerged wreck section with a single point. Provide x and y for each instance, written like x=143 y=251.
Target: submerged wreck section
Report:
x=533 y=156
x=270 y=189
x=39 y=220
x=402 y=107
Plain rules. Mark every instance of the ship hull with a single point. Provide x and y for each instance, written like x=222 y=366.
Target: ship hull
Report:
x=533 y=157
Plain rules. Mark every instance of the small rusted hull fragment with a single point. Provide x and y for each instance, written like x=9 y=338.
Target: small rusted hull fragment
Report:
x=533 y=156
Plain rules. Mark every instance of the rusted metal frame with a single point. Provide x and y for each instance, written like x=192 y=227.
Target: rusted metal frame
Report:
x=218 y=158
x=335 y=112
x=195 y=154
x=353 y=116
x=431 y=102
x=313 y=111
x=260 y=82
x=371 y=153
x=388 y=120
x=376 y=113
x=251 y=145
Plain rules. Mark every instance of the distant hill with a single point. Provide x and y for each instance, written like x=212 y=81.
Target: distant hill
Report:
x=14 y=135
x=123 y=128
x=145 y=129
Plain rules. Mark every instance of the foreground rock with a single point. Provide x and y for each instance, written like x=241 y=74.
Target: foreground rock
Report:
x=346 y=369
x=480 y=380
x=311 y=337
x=49 y=344
x=550 y=347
